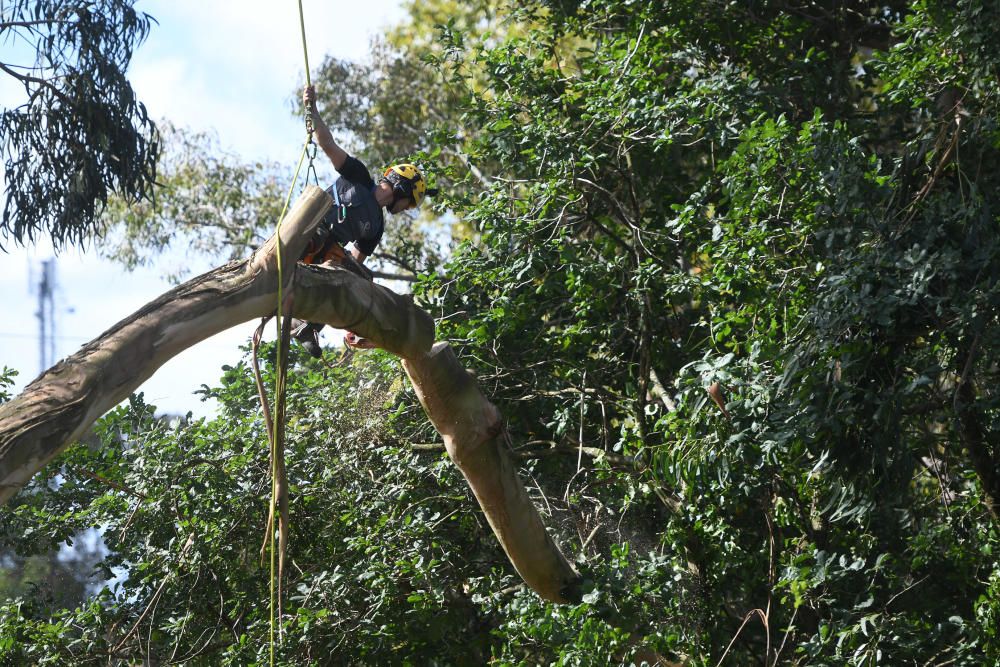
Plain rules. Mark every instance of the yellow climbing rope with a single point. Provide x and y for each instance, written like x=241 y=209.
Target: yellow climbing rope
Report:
x=275 y=421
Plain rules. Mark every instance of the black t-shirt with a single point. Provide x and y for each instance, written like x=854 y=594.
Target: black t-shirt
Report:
x=360 y=219
x=355 y=171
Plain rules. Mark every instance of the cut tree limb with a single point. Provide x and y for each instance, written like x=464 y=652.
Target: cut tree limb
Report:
x=475 y=440
x=61 y=404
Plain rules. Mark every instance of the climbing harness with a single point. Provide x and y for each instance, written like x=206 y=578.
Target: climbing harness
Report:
x=319 y=251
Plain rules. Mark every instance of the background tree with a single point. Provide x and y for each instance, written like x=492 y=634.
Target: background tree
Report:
x=208 y=202
x=392 y=105
x=80 y=134
x=398 y=104
x=768 y=198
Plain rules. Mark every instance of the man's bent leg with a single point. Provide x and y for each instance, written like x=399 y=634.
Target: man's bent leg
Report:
x=307 y=333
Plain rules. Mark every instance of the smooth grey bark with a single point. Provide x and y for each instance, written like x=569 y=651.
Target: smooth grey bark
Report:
x=476 y=441
x=57 y=407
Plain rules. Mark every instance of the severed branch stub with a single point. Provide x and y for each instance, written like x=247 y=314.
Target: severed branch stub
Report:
x=61 y=404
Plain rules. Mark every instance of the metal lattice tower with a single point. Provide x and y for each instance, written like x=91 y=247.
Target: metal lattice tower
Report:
x=46 y=315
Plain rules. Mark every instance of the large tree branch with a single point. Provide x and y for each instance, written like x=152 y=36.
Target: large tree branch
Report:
x=58 y=406
x=475 y=439
x=55 y=409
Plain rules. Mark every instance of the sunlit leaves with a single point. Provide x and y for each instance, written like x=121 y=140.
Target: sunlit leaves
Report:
x=734 y=287
x=210 y=202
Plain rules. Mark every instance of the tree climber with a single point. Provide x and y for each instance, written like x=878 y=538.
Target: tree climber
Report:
x=356 y=217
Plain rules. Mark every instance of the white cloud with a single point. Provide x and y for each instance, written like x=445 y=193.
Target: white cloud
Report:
x=233 y=67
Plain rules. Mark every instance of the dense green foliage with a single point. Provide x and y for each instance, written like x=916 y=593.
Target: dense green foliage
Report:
x=80 y=134
x=799 y=205
x=796 y=201
x=390 y=561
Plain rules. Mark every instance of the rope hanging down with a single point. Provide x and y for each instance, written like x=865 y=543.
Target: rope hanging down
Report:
x=311 y=145
x=275 y=421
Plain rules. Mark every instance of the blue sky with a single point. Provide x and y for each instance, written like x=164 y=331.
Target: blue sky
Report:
x=222 y=66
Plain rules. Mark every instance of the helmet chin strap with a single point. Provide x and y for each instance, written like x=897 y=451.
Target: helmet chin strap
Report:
x=395 y=198
x=397 y=193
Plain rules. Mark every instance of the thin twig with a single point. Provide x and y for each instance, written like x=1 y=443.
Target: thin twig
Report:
x=26 y=78
x=108 y=482
x=746 y=619
x=30 y=24
x=156 y=595
x=788 y=631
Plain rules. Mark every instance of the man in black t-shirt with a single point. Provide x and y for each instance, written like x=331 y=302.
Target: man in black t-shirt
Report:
x=356 y=217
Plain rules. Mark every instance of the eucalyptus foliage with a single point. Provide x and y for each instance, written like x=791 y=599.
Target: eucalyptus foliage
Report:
x=80 y=134
x=208 y=203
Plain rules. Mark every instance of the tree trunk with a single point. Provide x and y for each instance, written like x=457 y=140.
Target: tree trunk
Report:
x=58 y=406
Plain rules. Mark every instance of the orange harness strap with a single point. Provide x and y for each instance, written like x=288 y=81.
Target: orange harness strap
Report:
x=317 y=254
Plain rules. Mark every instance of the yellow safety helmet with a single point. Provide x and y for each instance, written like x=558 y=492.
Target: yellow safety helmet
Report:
x=406 y=181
